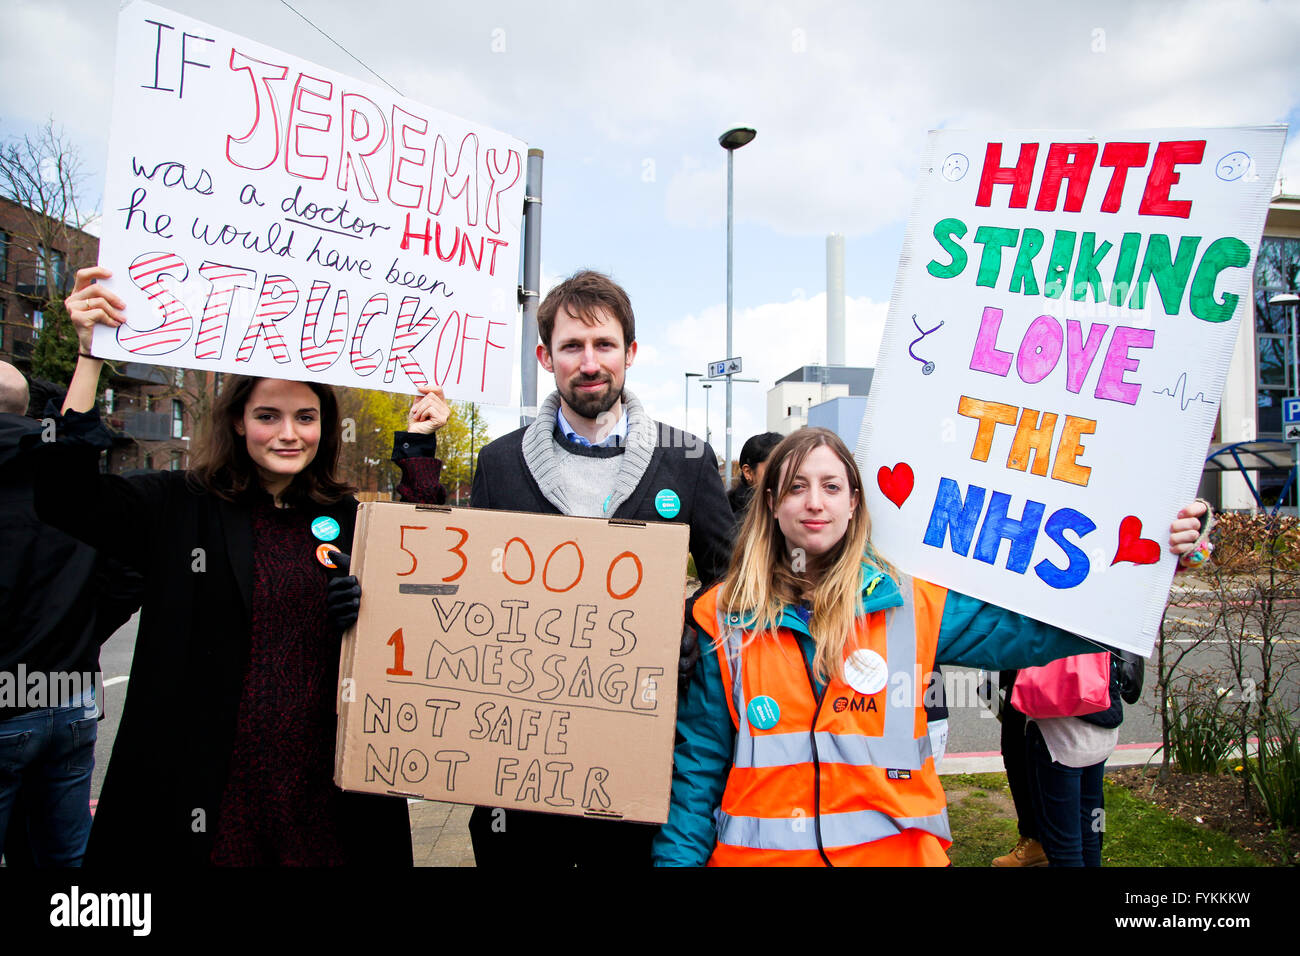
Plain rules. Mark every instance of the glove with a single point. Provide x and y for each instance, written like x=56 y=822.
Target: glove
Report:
x=343 y=596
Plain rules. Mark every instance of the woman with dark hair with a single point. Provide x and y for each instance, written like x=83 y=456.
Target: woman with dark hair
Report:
x=753 y=455
x=225 y=750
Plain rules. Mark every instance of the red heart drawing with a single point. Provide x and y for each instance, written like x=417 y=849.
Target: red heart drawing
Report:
x=896 y=484
x=1132 y=546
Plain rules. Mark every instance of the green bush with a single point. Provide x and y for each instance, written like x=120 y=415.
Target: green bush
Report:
x=1200 y=729
x=1277 y=774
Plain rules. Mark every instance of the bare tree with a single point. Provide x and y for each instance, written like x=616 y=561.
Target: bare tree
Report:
x=42 y=175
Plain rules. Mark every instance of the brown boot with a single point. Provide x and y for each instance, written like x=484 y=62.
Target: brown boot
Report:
x=1027 y=853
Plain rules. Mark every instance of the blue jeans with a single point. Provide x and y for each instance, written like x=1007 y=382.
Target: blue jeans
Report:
x=48 y=755
x=1067 y=803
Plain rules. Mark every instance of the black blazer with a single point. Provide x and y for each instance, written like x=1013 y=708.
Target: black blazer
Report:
x=162 y=791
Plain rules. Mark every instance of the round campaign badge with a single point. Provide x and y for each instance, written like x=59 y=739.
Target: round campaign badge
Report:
x=667 y=503
x=866 y=672
x=325 y=553
x=763 y=712
x=324 y=528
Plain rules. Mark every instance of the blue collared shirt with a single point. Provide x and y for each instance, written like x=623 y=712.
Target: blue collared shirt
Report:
x=616 y=438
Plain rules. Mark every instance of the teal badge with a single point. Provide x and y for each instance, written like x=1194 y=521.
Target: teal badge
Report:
x=325 y=528
x=667 y=503
x=763 y=712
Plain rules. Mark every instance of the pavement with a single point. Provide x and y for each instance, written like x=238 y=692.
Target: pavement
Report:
x=440 y=834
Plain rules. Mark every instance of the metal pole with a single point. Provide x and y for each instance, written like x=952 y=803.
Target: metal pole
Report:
x=688 y=376
x=708 y=432
x=531 y=291
x=730 y=158
x=687 y=427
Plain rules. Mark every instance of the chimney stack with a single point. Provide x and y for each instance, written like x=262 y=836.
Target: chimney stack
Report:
x=835 y=300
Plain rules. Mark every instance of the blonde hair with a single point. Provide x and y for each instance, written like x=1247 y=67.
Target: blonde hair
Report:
x=762 y=578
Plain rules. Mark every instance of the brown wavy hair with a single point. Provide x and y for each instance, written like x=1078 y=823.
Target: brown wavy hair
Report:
x=222 y=465
x=583 y=295
x=763 y=578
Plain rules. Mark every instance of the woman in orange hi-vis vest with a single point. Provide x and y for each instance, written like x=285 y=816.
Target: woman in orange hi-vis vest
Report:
x=802 y=738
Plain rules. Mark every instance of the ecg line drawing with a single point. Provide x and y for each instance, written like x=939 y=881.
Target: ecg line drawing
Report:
x=926 y=366
x=1179 y=391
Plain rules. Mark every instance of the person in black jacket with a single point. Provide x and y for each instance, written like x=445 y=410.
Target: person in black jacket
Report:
x=593 y=451
x=752 y=456
x=49 y=657
x=224 y=754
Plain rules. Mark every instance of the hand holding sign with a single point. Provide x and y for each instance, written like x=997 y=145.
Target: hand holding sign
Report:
x=92 y=303
x=429 y=412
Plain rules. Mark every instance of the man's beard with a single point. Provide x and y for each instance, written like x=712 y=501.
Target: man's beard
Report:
x=591 y=405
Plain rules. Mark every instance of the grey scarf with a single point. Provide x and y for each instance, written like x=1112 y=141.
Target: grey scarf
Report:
x=545 y=464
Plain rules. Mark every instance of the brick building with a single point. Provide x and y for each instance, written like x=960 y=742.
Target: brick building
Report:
x=149 y=409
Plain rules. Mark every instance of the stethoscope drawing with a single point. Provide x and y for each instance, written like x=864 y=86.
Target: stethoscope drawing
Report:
x=926 y=367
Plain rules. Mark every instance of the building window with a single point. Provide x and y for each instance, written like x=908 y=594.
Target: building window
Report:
x=179 y=378
x=55 y=268
x=4 y=256
x=4 y=306
x=38 y=320
x=176 y=461
x=148 y=462
x=178 y=418
x=1277 y=270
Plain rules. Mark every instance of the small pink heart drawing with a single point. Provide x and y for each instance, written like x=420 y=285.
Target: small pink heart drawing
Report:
x=896 y=483
x=1132 y=546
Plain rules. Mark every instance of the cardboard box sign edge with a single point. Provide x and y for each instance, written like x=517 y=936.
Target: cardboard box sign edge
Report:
x=649 y=805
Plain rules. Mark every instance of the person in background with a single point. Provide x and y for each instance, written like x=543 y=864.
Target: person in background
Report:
x=1067 y=761
x=753 y=458
x=1028 y=850
x=53 y=626
x=225 y=750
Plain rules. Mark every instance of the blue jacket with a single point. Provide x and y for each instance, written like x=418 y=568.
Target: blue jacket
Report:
x=971 y=633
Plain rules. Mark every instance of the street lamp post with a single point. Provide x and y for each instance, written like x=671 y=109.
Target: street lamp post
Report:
x=689 y=376
x=708 y=433
x=731 y=141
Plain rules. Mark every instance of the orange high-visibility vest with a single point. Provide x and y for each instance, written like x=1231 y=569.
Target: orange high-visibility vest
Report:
x=843 y=778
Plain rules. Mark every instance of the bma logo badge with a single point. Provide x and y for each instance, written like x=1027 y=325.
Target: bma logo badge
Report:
x=865 y=704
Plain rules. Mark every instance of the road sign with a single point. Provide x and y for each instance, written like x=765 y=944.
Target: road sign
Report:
x=1292 y=432
x=1290 y=414
x=723 y=368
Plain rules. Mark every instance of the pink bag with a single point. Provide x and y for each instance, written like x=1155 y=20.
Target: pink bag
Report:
x=1067 y=687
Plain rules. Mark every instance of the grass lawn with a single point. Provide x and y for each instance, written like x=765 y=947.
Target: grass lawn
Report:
x=1137 y=833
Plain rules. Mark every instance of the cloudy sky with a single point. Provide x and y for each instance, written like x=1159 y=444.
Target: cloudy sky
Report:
x=627 y=101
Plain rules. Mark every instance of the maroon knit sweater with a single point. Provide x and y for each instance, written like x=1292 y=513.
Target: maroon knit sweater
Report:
x=281 y=807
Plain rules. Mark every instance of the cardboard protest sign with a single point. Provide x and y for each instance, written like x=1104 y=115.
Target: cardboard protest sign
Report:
x=267 y=216
x=1058 y=338
x=513 y=660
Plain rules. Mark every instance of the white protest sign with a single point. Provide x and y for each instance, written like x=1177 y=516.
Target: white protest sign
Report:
x=1058 y=338
x=267 y=216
